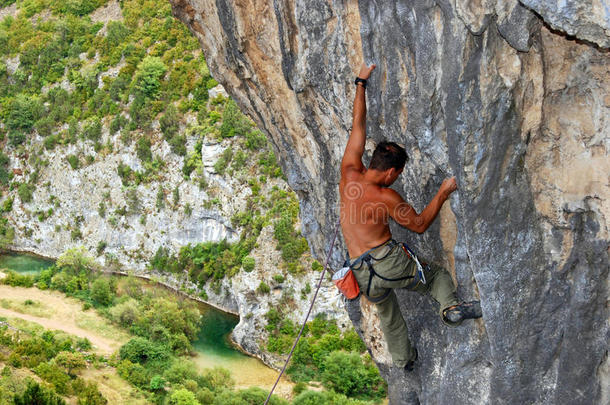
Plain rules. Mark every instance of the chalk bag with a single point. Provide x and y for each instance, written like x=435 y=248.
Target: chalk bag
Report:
x=346 y=282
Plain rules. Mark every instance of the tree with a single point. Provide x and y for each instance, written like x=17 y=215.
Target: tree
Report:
x=148 y=76
x=4 y=173
x=35 y=394
x=170 y=122
x=143 y=149
x=101 y=292
x=233 y=121
x=183 y=397
x=71 y=362
x=75 y=260
x=346 y=373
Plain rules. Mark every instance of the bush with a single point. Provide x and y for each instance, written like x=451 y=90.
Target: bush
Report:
x=141 y=350
x=101 y=293
x=75 y=261
x=143 y=149
x=54 y=375
x=92 y=129
x=223 y=161
x=263 y=288
x=71 y=362
x=248 y=263
x=15 y=279
x=134 y=373
x=183 y=397
x=178 y=145
x=148 y=76
x=25 y=191
x=118 y=122
x=347 y=374
x=255 y=140
x=74 y=162
x=125 y=313
x=4 y=173
x=37 y=394
x=233 y=121
x=170 y=122
x=22 y=113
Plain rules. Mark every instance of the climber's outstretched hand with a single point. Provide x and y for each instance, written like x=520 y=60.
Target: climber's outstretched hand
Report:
x=449 y=186
x=365 y=71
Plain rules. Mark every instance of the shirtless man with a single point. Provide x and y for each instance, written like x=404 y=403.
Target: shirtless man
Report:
x=379 y=263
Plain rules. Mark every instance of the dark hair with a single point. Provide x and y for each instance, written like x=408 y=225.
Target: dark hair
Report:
x=388 y=155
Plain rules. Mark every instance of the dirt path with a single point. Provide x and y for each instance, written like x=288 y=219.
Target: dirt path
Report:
x=65 y=314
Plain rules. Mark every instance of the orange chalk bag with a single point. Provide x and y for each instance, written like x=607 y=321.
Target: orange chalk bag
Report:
x=346 y=282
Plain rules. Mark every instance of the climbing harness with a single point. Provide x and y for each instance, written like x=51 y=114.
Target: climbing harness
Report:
x=368 y=258
x=332 y=244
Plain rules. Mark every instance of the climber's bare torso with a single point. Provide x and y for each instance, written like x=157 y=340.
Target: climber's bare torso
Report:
x=364 y=216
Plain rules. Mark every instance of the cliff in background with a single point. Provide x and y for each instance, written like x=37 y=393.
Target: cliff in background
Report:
x=510 y=97
x=136 y=206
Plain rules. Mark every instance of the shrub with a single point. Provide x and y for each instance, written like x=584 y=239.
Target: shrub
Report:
x=25 y=191
x=255 y=140
x=223 y=161
x=248 y=263
x=233 y=121
x=263 y=288
x=4 y=173
x=100 y=292
x=148 y=76
x=143 y=149
x=92 y=129
x=37 y=394
x=71 y=362
x=141 y=350
x=134 y=373
x=53 y=375
x=23 y=112
x=347 y=374
x=278 y=278
x=75 y=261
x=118 y=122
x=74 y=162
x=183 y=397
x=170 y=122
x=178 y=145
x=125 y=313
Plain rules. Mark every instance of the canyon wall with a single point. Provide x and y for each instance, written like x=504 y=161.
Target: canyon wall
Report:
x=513 y=99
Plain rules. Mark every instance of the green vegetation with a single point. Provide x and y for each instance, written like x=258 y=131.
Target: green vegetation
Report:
x=160 y=75
x=54 y=357
x=324 y=354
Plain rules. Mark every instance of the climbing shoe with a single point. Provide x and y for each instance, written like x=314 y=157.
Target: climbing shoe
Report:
x=409 y=366
x=465 y=310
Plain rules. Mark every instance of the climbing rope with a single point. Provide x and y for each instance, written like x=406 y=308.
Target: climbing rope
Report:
x=332 y=244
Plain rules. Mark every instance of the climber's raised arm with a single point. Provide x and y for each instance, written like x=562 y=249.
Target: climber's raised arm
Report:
x=352 y=158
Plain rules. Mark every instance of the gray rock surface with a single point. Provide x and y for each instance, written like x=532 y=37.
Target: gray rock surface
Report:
x=584 y=19
x=480 y=90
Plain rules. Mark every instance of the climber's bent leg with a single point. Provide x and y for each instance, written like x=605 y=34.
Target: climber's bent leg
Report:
x=395 y=331
x=439 y=285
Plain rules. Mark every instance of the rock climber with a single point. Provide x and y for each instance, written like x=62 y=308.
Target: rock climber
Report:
x=379 y=263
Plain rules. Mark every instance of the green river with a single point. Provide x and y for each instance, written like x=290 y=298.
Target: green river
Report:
x=213 y=347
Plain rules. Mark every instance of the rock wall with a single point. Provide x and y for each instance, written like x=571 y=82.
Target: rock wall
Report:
x=492 y=92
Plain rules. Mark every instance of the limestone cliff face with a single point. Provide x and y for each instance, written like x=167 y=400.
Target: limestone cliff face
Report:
x=491 y=92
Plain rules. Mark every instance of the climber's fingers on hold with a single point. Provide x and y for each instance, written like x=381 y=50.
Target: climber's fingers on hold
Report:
x=365 y=71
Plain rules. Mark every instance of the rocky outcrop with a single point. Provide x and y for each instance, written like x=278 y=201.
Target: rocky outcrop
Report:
x=484 y=91
x=586 y=19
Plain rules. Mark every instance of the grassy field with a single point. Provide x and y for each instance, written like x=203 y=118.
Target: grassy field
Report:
x=53 y=310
